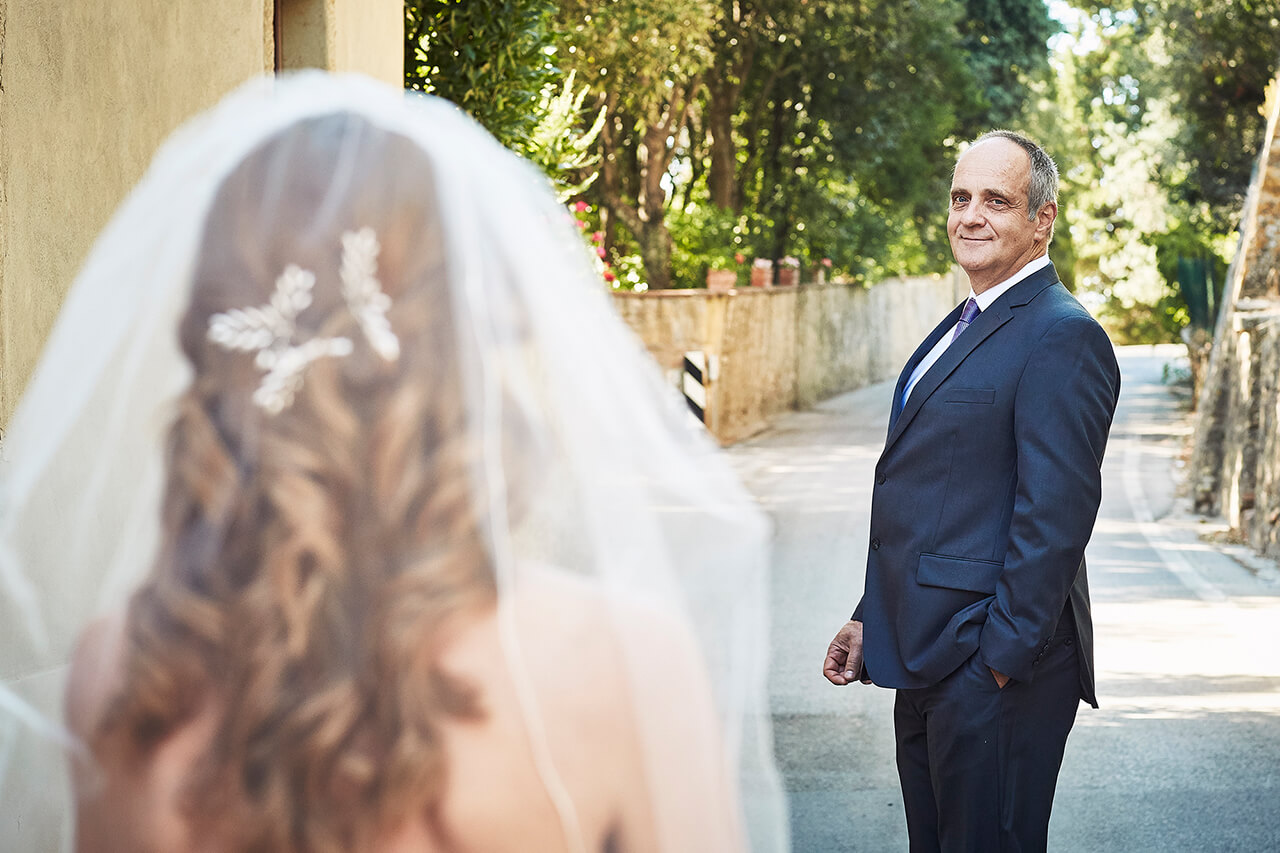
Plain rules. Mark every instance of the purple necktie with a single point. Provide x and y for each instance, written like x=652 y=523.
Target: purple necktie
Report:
x=970 y=311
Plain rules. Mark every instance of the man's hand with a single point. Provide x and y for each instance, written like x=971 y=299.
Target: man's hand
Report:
x=1000 y=677
x=844 y=656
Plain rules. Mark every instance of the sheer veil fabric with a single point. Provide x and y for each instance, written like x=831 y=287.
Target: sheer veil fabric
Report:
x=627 y=496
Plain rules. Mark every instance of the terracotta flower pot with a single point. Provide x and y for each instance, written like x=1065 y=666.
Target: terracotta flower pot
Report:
x=762 y=273
x=721 y=281
x=788 y=276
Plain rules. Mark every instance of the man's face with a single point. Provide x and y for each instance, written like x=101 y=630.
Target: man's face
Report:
x=990 y=234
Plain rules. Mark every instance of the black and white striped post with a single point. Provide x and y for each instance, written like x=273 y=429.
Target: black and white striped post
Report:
x=693 y=382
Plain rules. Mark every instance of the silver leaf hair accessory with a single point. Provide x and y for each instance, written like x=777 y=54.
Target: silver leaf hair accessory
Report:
x=365 y=299
x=269 y=329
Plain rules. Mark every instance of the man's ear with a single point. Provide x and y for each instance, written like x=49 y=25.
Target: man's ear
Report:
x=1044 y=221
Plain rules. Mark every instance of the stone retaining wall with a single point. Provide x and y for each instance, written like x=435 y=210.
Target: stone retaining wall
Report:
x=1235 y=462
x=770 y=350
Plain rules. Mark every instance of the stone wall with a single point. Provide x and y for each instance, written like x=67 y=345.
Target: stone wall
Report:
x=1262 y=526
x=770 y=350
x=1235 y=462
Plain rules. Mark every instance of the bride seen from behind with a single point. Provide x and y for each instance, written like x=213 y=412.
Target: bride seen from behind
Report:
x=427 y=539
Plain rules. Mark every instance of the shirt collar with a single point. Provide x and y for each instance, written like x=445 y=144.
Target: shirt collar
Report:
x=991 y=294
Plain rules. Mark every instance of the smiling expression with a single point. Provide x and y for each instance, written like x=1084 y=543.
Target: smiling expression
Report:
x=990 y=234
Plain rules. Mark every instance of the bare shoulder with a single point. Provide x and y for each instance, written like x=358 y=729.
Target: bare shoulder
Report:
x=121 y=804
x=669 y=784
x=653 y=678
x=614 y=705
x=96 y=674
x=105 y=811
x=594 y=627
x=582 y=642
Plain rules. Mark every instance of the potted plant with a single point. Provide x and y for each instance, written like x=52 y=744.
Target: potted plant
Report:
x=820 y=271
x=722 y=275
x=788 y=271
x=762 y=273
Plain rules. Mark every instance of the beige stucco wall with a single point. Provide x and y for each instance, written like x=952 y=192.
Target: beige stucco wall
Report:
x=345 y=35
x=89 y=91
x=776 y=349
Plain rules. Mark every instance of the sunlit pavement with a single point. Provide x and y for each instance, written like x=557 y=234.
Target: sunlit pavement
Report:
x=1184 y=754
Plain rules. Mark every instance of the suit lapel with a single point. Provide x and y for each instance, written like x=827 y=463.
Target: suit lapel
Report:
x=982 y=328
x=1000 y=312
x=921 y=351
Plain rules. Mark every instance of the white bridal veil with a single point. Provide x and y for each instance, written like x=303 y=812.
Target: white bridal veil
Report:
x=632 y=495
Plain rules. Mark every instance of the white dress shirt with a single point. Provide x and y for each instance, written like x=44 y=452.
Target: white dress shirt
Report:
x=984 y=300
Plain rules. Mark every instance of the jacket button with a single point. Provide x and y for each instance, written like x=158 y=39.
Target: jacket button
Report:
x=880 y=479
x=875 y=544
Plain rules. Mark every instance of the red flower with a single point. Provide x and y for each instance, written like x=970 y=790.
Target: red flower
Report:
x=608 y=276
x=581 y=207
x=597 y=237
x=739 y=257
x=826 y=262
x=582 y=225
x=600 y=251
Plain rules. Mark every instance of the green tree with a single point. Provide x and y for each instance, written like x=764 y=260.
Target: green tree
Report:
x=490 y=57
x=1005 y=45
x=1222 y=54
x=493 y=59
x=1168 y=93
x=829 y=126
x=814 y=128
x=647 y=59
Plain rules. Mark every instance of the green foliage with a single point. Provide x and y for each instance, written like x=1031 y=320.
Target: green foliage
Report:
x=1190 y=263
x=636 y=49
x=560 y=146
x=490 y=57
x=845 y=122
x=630 y=273
x=1168 y=92
x=493 y=59
x=705 y=237
x=1210 y=62
x=1222 y=55
x=1004 y=42
x=1141 y=323
x=828 y=128
x=646 y=59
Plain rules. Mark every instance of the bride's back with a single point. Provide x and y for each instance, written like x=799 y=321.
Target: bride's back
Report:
x=336 y=649
x=496 y=797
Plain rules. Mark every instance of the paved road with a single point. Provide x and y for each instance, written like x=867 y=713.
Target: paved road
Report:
x=1184 y=754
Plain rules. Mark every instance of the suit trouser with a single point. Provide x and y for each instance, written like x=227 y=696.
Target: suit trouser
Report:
x=979 y=764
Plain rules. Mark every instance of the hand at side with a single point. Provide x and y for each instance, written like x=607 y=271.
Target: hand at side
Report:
x=844 y=656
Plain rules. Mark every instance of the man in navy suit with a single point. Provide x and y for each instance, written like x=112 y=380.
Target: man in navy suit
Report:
x=976 y=606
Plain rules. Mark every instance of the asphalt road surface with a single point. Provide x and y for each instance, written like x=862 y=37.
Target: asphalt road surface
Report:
x=1184 y=754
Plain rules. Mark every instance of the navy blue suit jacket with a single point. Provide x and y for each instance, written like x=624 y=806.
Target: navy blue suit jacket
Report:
x=987 y=491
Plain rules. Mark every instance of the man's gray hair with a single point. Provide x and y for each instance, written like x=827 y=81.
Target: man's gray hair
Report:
x=1044 y=172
